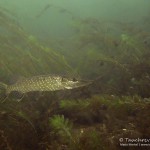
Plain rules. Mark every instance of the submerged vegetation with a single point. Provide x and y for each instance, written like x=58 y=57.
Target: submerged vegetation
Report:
x=94 y=123
x=21 y=53
x=114 y=55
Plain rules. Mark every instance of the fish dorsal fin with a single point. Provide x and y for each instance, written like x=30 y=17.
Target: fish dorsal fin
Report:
x=16 y=79
x=21 y=78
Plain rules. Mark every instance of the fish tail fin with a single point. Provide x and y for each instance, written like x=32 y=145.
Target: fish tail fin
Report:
x=3 y=88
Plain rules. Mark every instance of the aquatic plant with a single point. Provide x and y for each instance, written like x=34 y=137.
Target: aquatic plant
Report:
x=90 y=139
x=63 y=129
x=115 y=50
x=61 y=126
x=23 y=54
x=70 y=106
x=94 y=123
x=4 y=141
x=113 y=54
x=26 y=118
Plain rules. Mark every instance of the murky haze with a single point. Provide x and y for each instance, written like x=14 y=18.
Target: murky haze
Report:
x=57 y=20
x=95 y=58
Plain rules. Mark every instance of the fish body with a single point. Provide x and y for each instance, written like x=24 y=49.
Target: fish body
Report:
x=43 y=83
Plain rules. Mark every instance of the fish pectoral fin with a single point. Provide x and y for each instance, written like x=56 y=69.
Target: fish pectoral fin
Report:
x=3 y=99
x=18 y=100
x=16 y=95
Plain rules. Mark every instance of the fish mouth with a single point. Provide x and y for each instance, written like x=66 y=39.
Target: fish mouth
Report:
x=69 y=87
x=78 y=84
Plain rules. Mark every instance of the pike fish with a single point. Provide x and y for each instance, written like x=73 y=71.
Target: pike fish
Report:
x=42 y=83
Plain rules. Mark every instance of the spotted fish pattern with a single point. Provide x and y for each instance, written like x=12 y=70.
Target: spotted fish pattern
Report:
x=44 y=83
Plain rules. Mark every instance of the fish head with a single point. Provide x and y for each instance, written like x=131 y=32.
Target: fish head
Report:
x=71 y=83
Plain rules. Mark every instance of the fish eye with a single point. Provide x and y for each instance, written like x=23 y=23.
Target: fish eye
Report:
x=74 y=79
x=63 y=79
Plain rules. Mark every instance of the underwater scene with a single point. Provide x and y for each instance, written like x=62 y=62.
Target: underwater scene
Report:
x=74 y=74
